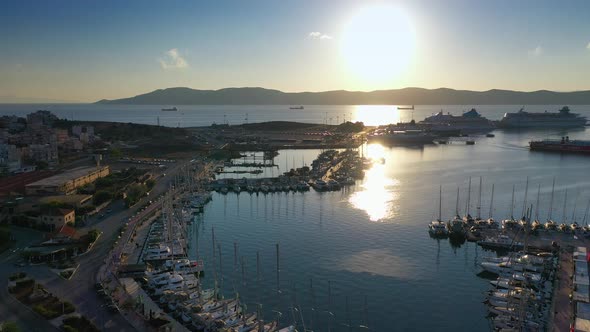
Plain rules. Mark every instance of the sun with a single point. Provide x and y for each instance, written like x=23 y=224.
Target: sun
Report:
x=377 y=45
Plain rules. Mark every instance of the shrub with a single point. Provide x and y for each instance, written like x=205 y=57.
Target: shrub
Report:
x=45 y=312
x=68 y=328
x=93 y=235
x=68 y=307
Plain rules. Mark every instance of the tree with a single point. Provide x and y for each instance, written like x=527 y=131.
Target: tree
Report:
x=9 y=327
x=101 y=196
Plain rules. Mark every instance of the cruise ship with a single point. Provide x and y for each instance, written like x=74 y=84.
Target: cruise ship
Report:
x=561 y=119
x=468 y=122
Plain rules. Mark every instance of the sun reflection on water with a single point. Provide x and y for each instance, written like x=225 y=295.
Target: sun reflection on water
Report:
x=376 y=115
x=376 y=198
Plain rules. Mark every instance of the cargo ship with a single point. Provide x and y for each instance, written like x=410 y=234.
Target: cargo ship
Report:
x=561 y=119
x=562 y=145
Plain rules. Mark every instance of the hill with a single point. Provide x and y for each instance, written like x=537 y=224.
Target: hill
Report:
x=407 y=96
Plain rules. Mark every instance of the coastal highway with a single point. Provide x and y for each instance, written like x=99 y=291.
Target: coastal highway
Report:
x=80 y=289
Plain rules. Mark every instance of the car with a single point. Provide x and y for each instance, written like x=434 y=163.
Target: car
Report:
x=109 y=210
x=19 y=264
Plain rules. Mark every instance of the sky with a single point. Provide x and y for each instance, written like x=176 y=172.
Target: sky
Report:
x=90 y=50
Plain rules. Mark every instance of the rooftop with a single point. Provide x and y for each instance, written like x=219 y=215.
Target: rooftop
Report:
x=69 y=175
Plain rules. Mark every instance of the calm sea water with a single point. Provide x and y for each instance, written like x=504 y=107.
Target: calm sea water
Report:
x=368 y=241
x=191 y=115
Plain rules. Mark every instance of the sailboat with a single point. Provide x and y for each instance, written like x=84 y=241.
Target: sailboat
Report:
x=509 y=223
x=536 y=223
x=456 y=229
x=523 y=220
x=563 y=226
x=437 y=228
x=586 y=228
x=491 y=222
x=550 y=224
x=478 y=220
x=467 y=219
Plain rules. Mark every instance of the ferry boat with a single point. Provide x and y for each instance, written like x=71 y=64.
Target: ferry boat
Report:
x=563 y=145
x=561 y=119
x=173 y=109
x=470 y=121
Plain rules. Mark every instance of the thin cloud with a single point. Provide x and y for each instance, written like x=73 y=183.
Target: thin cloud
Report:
x=537 y=51
x=588 y=46
x=172 y=59
x=319 y=35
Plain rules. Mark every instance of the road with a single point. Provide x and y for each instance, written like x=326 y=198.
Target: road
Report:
x=10 y=308
x=80 y=289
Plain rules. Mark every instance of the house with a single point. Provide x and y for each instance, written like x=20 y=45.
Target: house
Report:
x=56 y=218
x=65 y=234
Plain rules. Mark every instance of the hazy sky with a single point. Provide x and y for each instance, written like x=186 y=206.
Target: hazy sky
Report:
x=89 y=50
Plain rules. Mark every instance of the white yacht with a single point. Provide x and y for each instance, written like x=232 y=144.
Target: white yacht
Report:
x=157 y=253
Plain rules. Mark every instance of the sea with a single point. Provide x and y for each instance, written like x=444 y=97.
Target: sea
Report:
x=361 y=258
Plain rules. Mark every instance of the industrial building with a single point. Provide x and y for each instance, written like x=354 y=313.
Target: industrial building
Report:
x=66 y=183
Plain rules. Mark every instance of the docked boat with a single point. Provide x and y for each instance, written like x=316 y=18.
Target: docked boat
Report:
x=320 y=185
x=172 y=109
x=438 y=228
x=157 y=253
x=500 y=242
x=562 y=145
x=403 y=137
x=561 y=119
x=468 y=122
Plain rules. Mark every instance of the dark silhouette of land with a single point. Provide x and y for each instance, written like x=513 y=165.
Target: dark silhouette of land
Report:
x=407 y=96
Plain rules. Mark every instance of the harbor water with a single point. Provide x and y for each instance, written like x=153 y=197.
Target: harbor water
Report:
x=369 y=242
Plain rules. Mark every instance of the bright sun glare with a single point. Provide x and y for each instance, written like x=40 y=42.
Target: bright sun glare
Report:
x=378 y=44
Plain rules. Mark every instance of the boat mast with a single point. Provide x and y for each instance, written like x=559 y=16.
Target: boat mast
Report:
x=468 y=198
x=492 y=201
x=479 y=200
x=537 y=206
x=457 y=205
x=564 y=205
x=440 y=203
x=512 y=205
x=575 y=204
x=586 y=213
x=526 y=192
x=551 y=202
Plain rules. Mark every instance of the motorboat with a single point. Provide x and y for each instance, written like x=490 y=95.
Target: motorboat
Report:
x=500 y=242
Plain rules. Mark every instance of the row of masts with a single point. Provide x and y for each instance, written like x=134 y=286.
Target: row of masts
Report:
x=512 y=205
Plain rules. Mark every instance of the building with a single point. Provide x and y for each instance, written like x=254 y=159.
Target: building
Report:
x=66 y=183
x=76 y=201
x=56 y=218
x=10 y=157
x=84 y=133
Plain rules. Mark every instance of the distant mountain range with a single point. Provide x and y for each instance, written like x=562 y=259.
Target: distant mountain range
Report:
x=407 y=96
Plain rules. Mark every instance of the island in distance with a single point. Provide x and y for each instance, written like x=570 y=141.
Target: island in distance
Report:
x=407 y=96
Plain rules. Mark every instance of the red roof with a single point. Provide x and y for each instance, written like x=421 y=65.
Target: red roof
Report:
x=67 y=231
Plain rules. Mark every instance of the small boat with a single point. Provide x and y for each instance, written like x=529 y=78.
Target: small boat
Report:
x=296 y=107
x=470 y=142
x=405 y=107
x=501 y=241
x=490 y=135
x=173 y=109
x=438 y=228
